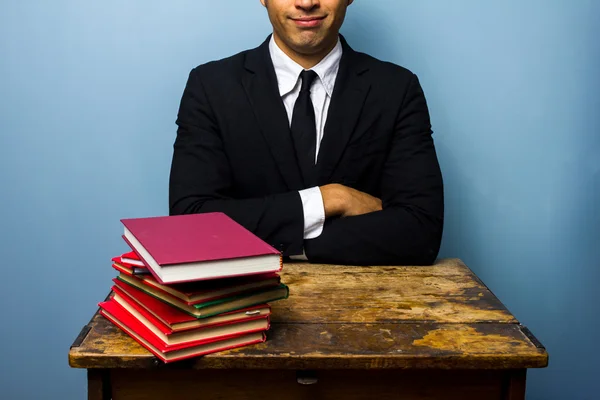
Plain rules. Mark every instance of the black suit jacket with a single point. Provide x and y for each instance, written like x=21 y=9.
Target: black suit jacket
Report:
x=234 y=153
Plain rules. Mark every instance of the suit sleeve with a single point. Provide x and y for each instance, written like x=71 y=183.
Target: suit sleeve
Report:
x=408 y=230
x=201 y=180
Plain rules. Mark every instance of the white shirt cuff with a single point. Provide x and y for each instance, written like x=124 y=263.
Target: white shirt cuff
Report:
x=314 y=212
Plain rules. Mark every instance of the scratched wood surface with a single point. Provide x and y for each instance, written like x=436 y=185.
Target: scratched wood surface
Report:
x=445 y=292
x=341 y=317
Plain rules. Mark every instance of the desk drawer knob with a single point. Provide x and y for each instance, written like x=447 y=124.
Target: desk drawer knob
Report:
x=306 y=377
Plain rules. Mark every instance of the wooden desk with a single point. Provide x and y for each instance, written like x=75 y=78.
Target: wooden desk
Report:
x=432 y=332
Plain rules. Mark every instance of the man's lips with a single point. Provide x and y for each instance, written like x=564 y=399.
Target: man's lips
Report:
x=308 y=22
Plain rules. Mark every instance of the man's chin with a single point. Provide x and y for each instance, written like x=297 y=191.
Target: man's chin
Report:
x=308 y=47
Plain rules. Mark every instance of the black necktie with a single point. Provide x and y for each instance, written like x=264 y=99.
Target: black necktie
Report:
x=304 y=130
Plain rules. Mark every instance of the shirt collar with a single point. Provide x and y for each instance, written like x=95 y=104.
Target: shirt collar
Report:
x=288 y=71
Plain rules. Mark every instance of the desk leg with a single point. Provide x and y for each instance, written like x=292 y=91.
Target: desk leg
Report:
x=98 y=384
x=514 y=385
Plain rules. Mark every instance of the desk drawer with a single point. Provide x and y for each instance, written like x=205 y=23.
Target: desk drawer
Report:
x=325 y=384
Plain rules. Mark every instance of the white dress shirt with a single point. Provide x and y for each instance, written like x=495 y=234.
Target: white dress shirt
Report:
x=289 y=82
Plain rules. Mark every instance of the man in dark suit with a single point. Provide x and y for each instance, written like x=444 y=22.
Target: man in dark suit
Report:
x=323 y=152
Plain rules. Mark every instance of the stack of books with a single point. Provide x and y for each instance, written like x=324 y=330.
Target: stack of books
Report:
x=193 y=285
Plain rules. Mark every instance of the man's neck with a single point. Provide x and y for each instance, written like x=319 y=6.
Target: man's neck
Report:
x=307 y=61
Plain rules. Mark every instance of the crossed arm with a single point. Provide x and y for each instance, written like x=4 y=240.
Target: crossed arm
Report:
x=403 y=227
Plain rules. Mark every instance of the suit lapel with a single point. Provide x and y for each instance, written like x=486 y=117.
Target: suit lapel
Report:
x=350 y=90
x=260 y=84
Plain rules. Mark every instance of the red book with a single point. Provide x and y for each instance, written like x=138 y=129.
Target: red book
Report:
x=194 y=337
x=198 y=247
x=130 y=325
x=130 y=270
x=130 y=264
x=213 y=307
x=202 y=291
x=170 y=319
x=130 y=258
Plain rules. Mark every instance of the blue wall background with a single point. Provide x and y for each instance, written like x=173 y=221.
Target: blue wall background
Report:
x=89 y=92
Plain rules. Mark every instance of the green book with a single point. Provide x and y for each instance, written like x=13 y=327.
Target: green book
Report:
x=214 y=307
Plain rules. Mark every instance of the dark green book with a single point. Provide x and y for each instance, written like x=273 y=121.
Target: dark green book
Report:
x=214 y=307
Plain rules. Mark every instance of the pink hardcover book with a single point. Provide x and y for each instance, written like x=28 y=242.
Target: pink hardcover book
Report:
x=194 y=247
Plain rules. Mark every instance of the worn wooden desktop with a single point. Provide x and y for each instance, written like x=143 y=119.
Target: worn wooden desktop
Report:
x=434 y=332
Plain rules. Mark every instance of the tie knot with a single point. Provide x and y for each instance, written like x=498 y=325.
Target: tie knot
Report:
x=308 y=77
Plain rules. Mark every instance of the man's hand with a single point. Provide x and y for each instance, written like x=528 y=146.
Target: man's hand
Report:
x=346 y=202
